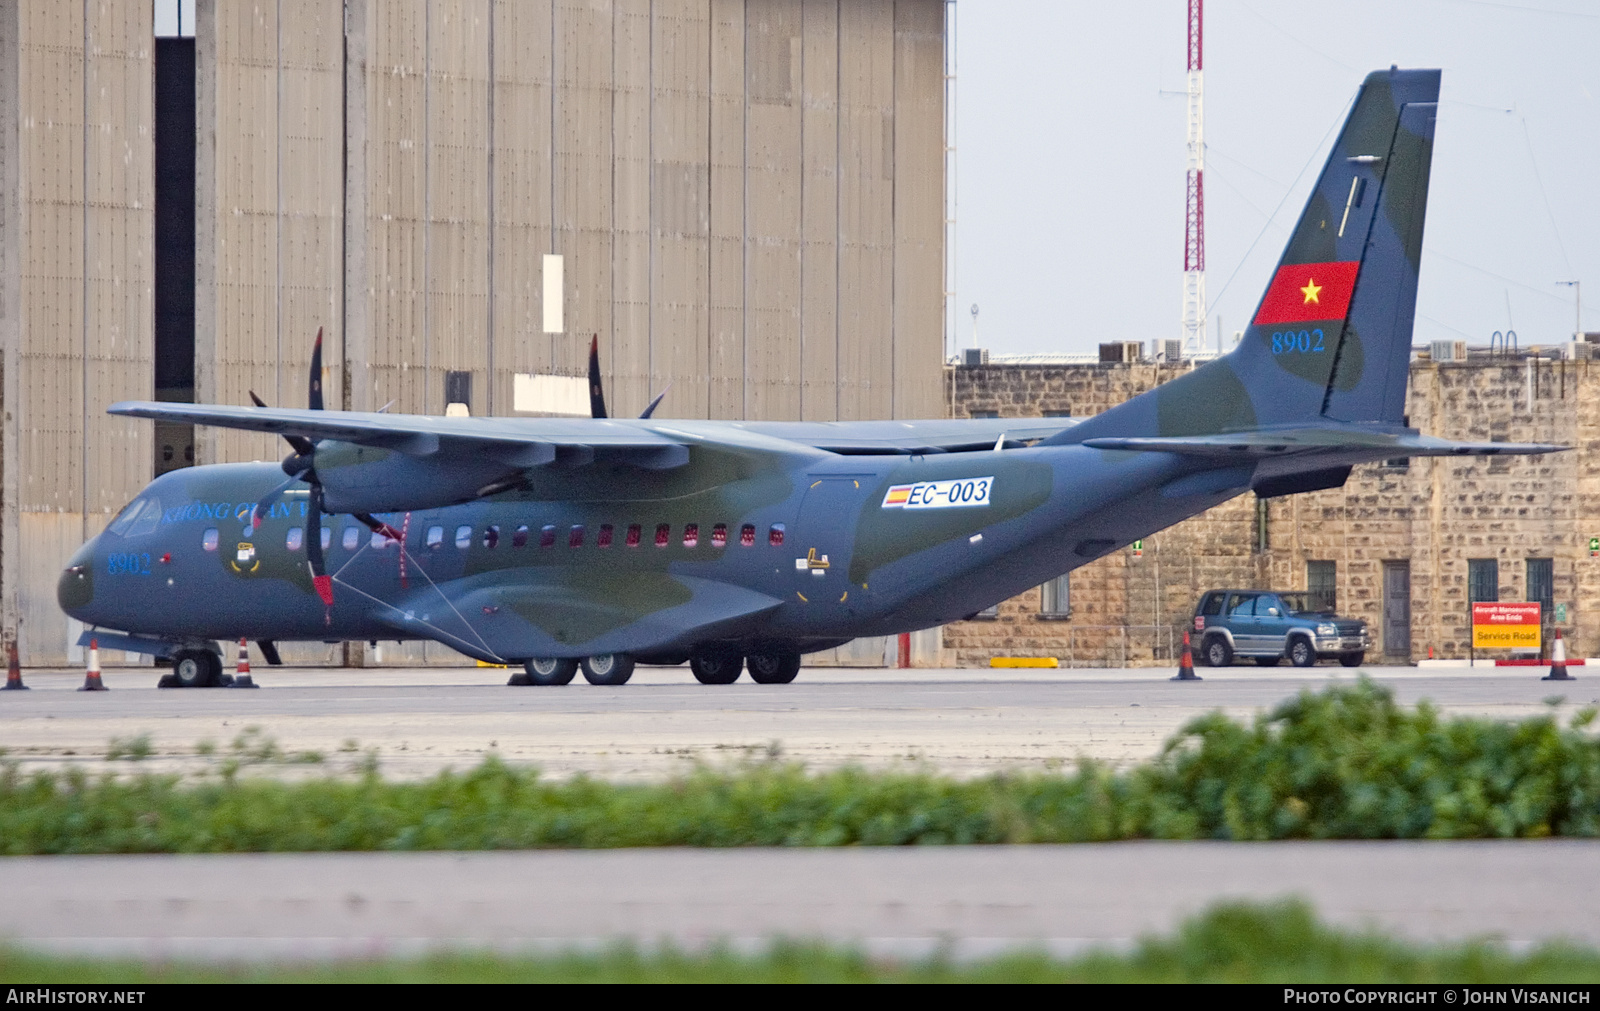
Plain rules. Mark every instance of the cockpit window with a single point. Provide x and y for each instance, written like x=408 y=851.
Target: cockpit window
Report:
x=124 y=524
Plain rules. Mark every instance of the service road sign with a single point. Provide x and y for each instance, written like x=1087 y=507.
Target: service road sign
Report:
x=1505 y=626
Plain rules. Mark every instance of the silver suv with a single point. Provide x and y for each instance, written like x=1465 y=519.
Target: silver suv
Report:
x=1269 y=626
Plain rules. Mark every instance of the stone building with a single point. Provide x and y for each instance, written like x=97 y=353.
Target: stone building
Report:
x=1407 y=547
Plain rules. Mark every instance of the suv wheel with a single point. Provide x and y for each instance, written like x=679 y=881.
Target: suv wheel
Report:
x=1301 y=652
x=1217 y=652
x=1352 y=659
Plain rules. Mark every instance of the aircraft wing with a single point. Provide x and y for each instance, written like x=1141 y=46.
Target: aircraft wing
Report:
x=855 y=438
x=1337 y=441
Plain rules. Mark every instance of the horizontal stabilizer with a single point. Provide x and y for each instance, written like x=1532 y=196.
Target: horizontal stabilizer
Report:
x=1342 y=442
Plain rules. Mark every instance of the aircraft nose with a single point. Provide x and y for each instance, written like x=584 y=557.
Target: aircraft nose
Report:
x=75 y=588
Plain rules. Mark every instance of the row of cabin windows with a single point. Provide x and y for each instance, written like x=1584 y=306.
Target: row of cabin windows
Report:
x=577 y=536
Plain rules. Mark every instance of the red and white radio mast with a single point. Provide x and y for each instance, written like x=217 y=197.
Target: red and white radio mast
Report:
x=1194 y=239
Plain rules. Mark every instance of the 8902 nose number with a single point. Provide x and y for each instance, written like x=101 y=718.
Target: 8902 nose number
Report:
x=1290 y=342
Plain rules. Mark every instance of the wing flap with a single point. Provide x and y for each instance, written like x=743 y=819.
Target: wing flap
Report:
x=1320 y=441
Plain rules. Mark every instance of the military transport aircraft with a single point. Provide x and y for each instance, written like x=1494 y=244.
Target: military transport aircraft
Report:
x=599 y=542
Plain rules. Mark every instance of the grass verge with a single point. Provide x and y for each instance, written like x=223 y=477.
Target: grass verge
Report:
x=1345 y=763
x=1239 y=943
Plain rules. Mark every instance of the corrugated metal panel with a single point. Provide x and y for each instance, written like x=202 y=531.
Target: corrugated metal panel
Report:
x=918 y=207
x=522 y=191
x=819 y=202
x=866 y=208
x=772 y=245
x=630 y=172
x=726 y=347
x=680 y=195
x=458 y=198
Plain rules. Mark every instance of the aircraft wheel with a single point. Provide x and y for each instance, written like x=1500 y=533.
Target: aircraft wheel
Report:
x=196 y=668
x=546 y=670
x=1217 y=652
x=775 y=668
x=608 y=669
x=1301 y=653
x=716 y=667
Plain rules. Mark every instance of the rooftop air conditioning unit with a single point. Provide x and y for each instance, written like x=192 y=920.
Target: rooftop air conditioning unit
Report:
x=971 y=357
x=1122 y=351
x=1448 y=351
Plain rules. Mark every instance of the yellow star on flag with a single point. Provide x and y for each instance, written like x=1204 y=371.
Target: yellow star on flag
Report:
x=1312 y=289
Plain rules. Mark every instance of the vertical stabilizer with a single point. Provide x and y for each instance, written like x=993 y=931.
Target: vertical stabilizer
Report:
x=1331 y=337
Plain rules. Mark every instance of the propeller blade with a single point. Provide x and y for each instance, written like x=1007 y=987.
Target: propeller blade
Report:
x=652 y=408
x=319 y=573
x=378 y=526
x=314 y=394
x=597 y=397
x=301 y=444
x=261 y=509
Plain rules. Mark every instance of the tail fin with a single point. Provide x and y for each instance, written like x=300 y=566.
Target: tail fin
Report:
x=1331 y=338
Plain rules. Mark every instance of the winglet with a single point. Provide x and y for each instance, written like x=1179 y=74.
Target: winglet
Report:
x=653 y=404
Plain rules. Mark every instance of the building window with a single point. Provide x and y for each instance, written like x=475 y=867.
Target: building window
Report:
x=985 y=414
x=1321 y=586
x=1055 y=597
x=1483 y=580
x=1542 y=586
x=1263 y=527
x=1064 y=413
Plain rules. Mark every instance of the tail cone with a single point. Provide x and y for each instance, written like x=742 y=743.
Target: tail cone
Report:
x=241 y=673
x=1186 y=663
x=13 y=670
x=91 y=680
x=1558 y=662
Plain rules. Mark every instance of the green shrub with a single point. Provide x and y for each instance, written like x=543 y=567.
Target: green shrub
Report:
x=1346 y=763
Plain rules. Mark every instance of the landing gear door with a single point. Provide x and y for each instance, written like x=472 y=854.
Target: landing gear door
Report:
x=823 y=538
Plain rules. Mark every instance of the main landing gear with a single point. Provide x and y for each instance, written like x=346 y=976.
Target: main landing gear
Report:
x=711 y=666
x=195 y=668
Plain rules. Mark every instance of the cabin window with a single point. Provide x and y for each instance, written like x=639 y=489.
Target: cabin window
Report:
x=378 y=541
x=491 y=536
x=575 y=536
x=520 y=538
x=435 y=538
x=719 y=535
x=547 y=536
x=775 y=535
x=464 y=536
x=352 y=537
x=747 y=536
x=663 y=534
x=327 y=537
x=634 y=533
x=603 y=538
x=691 y=535
x=296 y=539
x=208 y=540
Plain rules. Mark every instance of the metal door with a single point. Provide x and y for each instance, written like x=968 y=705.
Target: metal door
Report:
x=824 y=534
x=1397 y=609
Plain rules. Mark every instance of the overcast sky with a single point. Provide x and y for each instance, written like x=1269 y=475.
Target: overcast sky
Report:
x=1070 y=164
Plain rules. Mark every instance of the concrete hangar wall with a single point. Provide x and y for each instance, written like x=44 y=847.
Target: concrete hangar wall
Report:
x=747 y=197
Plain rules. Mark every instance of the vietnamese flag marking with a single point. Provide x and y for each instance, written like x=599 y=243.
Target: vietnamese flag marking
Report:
x=1308 y=291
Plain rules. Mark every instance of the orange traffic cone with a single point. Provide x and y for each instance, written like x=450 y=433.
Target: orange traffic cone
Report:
x=13 y=670
x=241 y=673
x=1558 y=662
x=1186 y=663
x=91 y=680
